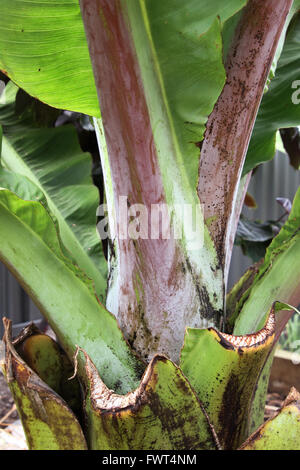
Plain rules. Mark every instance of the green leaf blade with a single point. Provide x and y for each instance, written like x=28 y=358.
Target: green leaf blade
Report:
x=224 y=376
x=44 y=50
x=31 y=249
x=52 y=159
x=277 y=279
x=162 y=413
x=282 y=432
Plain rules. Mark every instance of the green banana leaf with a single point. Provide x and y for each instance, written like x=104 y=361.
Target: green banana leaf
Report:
x=43 y=49
x=48 y=422
x=54 y=162
x=162 y=413
x=224 y=370
x=31 y=248
x=277 y=278
x=22 y=186
x=257 y=405
x=274 y=278
x=281 y=432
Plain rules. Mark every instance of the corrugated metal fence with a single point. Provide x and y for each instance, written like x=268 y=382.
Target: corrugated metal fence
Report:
x=14 y=302
x=276 y=179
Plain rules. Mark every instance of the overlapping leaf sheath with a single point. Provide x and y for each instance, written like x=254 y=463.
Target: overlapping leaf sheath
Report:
x=149 y=138
x=224 y=370
x=31 y=247
x=48 y=421
x=162 y=413
x=275 y=278
x=282 y=432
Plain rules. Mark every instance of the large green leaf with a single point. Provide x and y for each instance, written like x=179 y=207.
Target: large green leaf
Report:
x=53 y=161
x=259 y=398
x=224 y=370
x=276 y=279
x=43 y=49
x=162 y=413
x=282 y=431
x=21 y=185
x=277 y=109
x=31 y=249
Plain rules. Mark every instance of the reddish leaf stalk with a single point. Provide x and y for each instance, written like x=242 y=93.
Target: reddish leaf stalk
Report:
x=230 y=125
x=157 y=292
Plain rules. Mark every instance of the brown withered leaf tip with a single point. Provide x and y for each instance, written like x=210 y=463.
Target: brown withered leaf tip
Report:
x=254 y=339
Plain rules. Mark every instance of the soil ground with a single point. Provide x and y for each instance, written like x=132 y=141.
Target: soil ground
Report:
x=6 y=403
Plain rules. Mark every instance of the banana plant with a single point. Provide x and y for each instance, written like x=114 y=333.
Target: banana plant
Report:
x=187 y=97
